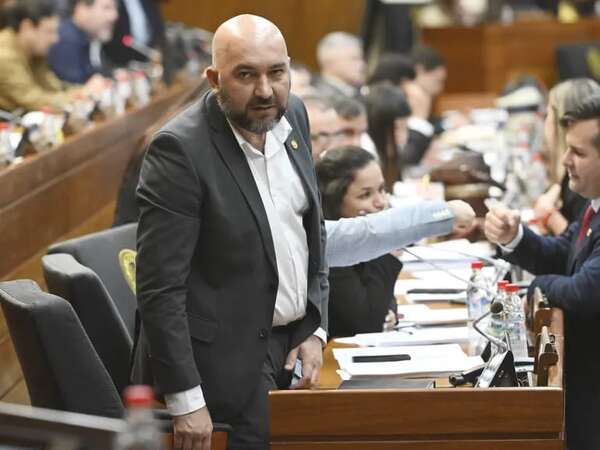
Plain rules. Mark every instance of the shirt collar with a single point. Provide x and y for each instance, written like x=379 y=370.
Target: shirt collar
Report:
x=280 y=132
x=596 y=204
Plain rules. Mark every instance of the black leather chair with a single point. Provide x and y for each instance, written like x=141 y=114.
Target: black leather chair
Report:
x=61 y=368
x=573 y=60
x=85 y=271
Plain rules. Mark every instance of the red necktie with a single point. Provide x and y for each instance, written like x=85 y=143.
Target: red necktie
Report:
x=585 y=224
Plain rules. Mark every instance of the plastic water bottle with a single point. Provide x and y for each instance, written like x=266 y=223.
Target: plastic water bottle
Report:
x=517 y=330
x=477 y=298
x=142 y=432
x=497 y=324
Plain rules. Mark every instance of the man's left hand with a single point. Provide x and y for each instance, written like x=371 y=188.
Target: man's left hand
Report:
x=310 y=352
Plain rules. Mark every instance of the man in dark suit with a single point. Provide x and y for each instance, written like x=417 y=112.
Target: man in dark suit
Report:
x=231 y=277
x=568 y=272
x=140 y=19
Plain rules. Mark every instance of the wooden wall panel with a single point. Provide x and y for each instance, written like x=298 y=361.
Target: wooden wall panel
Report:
x=303 y=22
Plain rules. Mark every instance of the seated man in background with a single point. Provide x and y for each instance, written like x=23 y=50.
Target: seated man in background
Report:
x=88 y=21
x=25 y=79
x=354 y=124
x=342 y=65
x=568 y=271
x=324 y=124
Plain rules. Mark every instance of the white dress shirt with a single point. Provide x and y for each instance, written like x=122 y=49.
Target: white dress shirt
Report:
x=510 y=247
x=285 y=203
x=138 y=22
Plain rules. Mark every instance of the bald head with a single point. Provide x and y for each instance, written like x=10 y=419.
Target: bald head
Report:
x=250 y=72
x=241 y=32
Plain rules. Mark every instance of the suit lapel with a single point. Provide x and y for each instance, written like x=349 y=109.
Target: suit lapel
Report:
x=236 y=162
x=303 y=164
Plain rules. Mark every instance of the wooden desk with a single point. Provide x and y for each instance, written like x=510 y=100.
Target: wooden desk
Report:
x=486 y=57
x=63 y=193
x=440 y=419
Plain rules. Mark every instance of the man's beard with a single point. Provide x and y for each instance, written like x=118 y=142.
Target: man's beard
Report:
x=242 y=119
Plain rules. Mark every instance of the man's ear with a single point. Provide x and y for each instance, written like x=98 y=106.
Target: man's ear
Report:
x=26 y=25
x=212 y=75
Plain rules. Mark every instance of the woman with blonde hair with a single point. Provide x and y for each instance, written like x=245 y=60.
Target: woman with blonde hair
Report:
x=559 y=206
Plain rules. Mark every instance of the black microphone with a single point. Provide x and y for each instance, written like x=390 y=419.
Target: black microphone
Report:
x=495 y=308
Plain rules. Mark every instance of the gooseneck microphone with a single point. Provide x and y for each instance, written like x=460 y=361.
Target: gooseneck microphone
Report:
x=495 y=308
x=148 y=52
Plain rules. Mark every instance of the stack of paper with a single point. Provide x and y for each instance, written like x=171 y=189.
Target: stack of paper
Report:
x=412 y=336
x=425 y=361
x=423 y=315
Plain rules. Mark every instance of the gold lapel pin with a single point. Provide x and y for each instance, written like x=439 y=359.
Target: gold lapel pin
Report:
x=294 y=144
x=589 y=232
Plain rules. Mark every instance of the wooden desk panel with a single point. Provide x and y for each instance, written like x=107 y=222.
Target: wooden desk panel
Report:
x=485 y=58
x=443 y=418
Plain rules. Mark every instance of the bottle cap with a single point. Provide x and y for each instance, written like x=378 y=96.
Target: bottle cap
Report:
x=138 y=395
x=477 y=265
x=511 y=287
x=502 y=284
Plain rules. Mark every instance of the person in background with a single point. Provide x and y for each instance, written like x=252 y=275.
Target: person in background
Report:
x=388 y=112
x=301 y=78
x=324 y=124
x=26 y=81
x=354 y=125
x=342 y=65
x=142 y=20
x=430 y=69
x=87 y=21
x=559 y=206
x=400 y=71
x=361 y=297
x=567 y=269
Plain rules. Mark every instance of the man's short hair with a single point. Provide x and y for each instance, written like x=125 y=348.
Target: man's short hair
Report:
x=332 y=41
x=320 y=103
x=72 y=4
x=34 y=10
x=348 y=108
x=588 y=110
x=427 y=57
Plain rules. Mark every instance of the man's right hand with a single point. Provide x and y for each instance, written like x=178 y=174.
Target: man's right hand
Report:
x=192 y=431
x=502 y=225
x=464 y=216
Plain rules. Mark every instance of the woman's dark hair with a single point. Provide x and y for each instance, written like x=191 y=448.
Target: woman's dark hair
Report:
x=386 y=103
x=35 y=10
x=393 y=67
x=335 y=172
x=427 y=57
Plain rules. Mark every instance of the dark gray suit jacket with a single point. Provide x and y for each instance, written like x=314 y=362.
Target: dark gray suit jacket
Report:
x=206 y=270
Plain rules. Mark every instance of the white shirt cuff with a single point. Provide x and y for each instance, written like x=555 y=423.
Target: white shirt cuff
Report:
x=322 y=335
x=510 y=246
x=185 y=402
x=420 y=125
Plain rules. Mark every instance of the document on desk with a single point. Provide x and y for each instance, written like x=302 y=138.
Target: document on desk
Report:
x=424 y=361
x=409 y=336
x=423 y=315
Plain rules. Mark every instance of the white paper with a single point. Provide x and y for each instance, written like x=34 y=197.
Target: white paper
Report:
x=425 y=367
x=409 y=336
x=422 y=315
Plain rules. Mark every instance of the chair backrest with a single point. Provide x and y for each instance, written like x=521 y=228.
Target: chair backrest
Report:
x=100 y=252
x=61 y=368
x=97 y=312
x=574 y=60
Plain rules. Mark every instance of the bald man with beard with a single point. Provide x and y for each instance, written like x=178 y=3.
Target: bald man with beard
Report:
x=231 y=276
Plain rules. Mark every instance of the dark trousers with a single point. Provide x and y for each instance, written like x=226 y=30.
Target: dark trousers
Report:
x=251 y=427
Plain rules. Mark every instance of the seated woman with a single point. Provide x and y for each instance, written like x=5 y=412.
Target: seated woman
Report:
x=559 y=206
x=361 y=297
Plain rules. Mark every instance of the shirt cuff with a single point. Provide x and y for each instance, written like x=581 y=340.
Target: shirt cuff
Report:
x=322 y=335
x=185 y=402
x=510 y=247
x=420 y=125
